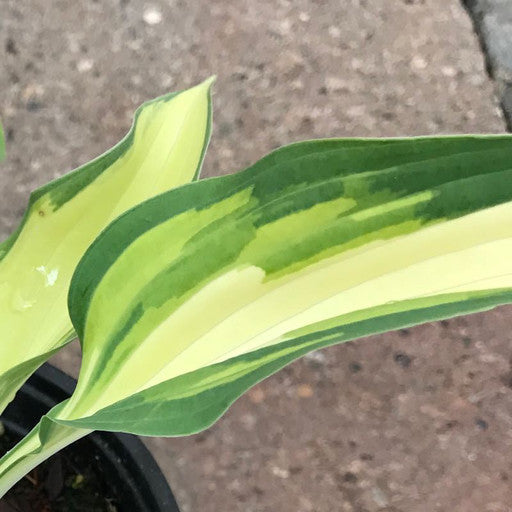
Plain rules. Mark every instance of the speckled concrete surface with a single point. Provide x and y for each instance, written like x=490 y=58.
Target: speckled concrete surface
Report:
x=416 y=421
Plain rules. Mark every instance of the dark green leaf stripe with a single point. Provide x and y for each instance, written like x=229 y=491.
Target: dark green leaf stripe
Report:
x=326 y=217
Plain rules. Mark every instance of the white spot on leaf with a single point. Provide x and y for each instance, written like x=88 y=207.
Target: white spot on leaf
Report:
x=50 y=276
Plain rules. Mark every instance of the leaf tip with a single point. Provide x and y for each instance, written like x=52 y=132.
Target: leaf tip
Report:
x=209 y=81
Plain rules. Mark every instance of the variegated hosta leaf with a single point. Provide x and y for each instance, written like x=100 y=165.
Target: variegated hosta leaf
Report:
x=194 y=296
x=163 y=149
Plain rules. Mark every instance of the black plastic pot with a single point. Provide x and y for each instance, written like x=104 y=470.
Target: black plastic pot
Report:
x=133 y=477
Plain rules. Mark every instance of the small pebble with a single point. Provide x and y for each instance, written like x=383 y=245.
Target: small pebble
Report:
x=349 y=477
x=10 y=47
x=280 y=472
x=305 y=391
x=379 y=498
x=449 y=71
x=152 y=16
x=418 y=62
x=334 y=83
x=334 y=31
x=355 y=367
x=481 y=424
x=84 y=65
x=78 y=481
x=34 y=106
x=402 y=359
x=256 y=395
x=317 y=357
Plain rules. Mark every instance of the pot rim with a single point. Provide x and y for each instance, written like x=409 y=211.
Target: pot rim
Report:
x=126 y=453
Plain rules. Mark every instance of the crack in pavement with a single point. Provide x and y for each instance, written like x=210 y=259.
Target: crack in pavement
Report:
x=492 y=21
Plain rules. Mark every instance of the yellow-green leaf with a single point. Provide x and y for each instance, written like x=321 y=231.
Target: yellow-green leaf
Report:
x=164 y=149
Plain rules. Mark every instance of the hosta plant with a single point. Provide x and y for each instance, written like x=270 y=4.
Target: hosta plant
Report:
x=189 y=298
